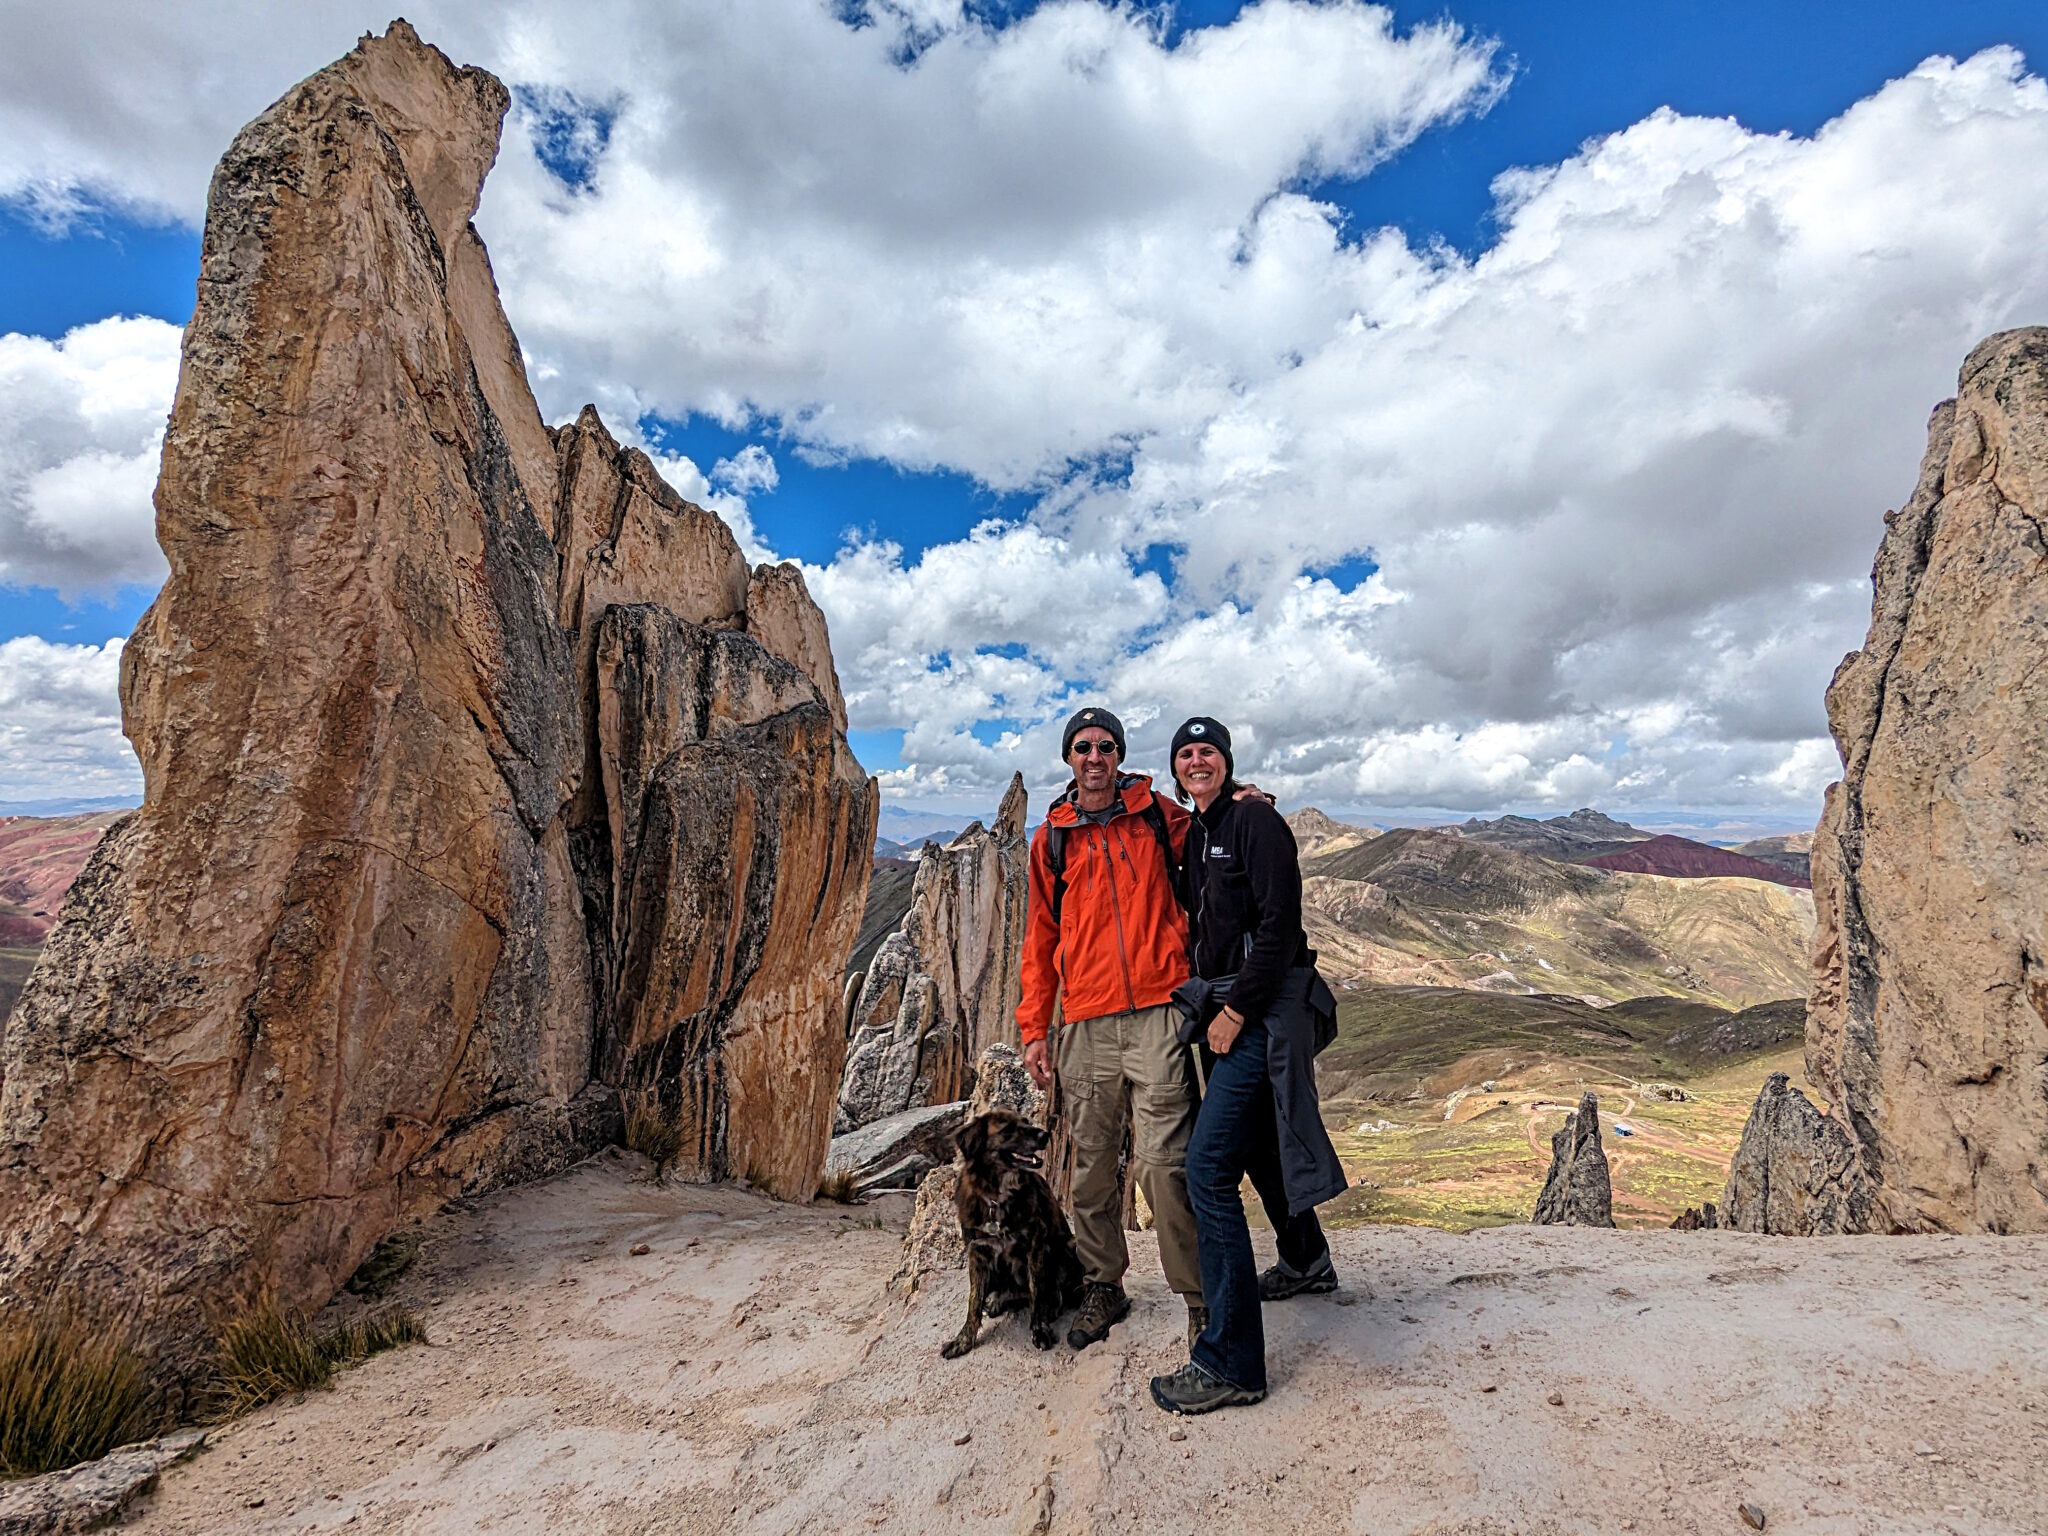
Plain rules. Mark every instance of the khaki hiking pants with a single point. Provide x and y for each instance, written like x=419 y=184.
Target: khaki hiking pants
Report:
x=1096 y=1058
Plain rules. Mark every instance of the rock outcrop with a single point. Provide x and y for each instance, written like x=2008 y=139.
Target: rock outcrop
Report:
x=947 y=982
x=1576 y=1193
x=1797 y=1172
x=1927 y=1027
x=896 y=1151
x=482 y=778
x=95 y=1494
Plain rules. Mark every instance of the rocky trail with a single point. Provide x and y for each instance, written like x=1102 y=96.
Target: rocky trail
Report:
x=751 y=1371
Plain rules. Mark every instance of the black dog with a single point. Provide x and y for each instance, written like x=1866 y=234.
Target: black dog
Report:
x=1019 y=1250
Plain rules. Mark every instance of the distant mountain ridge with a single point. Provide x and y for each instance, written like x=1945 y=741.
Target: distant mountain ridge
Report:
x=1793 y=852
x=1431 y=907
x=1571 y=838
x=1315 y=832
x=1685 y=859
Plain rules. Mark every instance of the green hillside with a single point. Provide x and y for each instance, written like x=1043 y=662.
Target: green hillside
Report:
x=1442 y=1101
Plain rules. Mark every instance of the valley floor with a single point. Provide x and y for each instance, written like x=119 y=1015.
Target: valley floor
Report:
x=751 y=1372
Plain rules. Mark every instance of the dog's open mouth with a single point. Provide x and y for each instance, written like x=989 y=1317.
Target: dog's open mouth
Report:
x=1022 y=1159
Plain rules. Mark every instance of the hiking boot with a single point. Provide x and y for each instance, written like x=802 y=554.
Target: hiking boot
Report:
x=1281 y=1282
x=1194 y=1388
x=1102 y=1307
x=1198 y=1323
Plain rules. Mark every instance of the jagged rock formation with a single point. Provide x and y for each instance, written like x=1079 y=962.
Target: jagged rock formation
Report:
x=1576 y=1192
x=947 y=982
x=483 y=779
x=1927 y=1027
x=1796 y=1172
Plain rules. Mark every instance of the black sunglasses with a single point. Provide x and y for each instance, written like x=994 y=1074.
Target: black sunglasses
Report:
x=1083 y=748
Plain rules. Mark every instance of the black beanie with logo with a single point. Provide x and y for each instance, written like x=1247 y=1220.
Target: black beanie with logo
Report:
x=1202 y=728
x=1102 y=719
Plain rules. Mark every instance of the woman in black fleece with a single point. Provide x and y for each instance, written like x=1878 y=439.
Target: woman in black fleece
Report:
x=1241 y=883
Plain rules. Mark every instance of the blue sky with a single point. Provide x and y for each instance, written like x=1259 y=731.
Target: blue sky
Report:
x=878 y=465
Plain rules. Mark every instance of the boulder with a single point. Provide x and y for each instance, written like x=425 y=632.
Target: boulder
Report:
x=1576 y=1192
x=1002 y=1082
x=94 y=1494
x=1927 y=1024
x=933 y=1241
x=948 y=981
x=1797 y=1172
x=898 y=1150
x=472 y=795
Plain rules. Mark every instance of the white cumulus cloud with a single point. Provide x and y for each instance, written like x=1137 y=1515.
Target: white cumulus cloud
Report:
x=1619 y=476
x=81 y=430
x=60 y=722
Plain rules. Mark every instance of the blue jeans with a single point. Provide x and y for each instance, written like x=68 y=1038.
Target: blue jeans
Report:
x=1236 y=1135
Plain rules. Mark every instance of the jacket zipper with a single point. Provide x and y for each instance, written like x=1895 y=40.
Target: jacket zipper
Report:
x=1117 y=913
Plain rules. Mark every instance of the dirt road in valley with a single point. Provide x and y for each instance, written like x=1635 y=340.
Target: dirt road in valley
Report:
x=752 y=1373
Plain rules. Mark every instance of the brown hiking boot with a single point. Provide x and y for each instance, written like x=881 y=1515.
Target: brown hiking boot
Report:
x=1198 y=1323
x=1101 y=1308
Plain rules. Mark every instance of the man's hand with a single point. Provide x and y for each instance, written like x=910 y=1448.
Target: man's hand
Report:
x=1253 y=792
x=1038 y=1064
x=1223 y=1031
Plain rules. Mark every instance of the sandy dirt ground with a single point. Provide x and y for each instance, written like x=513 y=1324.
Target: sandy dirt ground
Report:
x=751 y=1372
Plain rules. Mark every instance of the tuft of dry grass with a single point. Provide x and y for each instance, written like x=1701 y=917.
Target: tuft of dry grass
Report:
x=268 y=1353
x=653 y=1131
x=72 y=1387
x=837 y=1186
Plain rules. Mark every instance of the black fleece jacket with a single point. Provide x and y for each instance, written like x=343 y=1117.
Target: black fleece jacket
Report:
x=1241 y=875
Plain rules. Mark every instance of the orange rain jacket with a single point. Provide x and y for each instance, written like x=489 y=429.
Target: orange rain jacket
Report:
x=1122 y=942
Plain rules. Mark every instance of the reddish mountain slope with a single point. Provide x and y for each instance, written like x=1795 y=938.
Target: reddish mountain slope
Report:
x=1688 y=860
x=39 y=858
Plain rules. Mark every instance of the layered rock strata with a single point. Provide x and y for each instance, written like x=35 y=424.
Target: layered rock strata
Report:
x=482 y=778
x=1576 y=1192
x=1927 y=1027
x=948 y=981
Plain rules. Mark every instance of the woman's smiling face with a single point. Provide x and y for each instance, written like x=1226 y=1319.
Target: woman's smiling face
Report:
x=1198 y=768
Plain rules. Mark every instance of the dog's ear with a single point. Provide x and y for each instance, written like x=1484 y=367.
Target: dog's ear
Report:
x=971 y=1140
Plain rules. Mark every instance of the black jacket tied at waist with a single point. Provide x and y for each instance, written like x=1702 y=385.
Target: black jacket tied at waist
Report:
x=1299 y=1022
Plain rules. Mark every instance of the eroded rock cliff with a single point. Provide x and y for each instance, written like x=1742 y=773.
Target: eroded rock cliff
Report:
x=1927 y=1028
x=483 y=779
x=947 y=982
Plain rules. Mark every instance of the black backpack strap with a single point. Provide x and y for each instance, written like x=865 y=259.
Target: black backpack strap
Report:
x=1056 y=861
x=1056 y=853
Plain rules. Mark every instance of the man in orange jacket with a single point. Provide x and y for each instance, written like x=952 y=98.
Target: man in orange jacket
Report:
x=1105 y=933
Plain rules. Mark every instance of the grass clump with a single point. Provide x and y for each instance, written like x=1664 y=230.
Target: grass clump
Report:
x=268 y=1353
x=654 y=1131
x=72 y=1387
x=837 y=1186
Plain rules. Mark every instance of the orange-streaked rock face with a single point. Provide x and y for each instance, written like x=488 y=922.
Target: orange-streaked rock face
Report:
x=1927 y=1028
x=425 y=873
